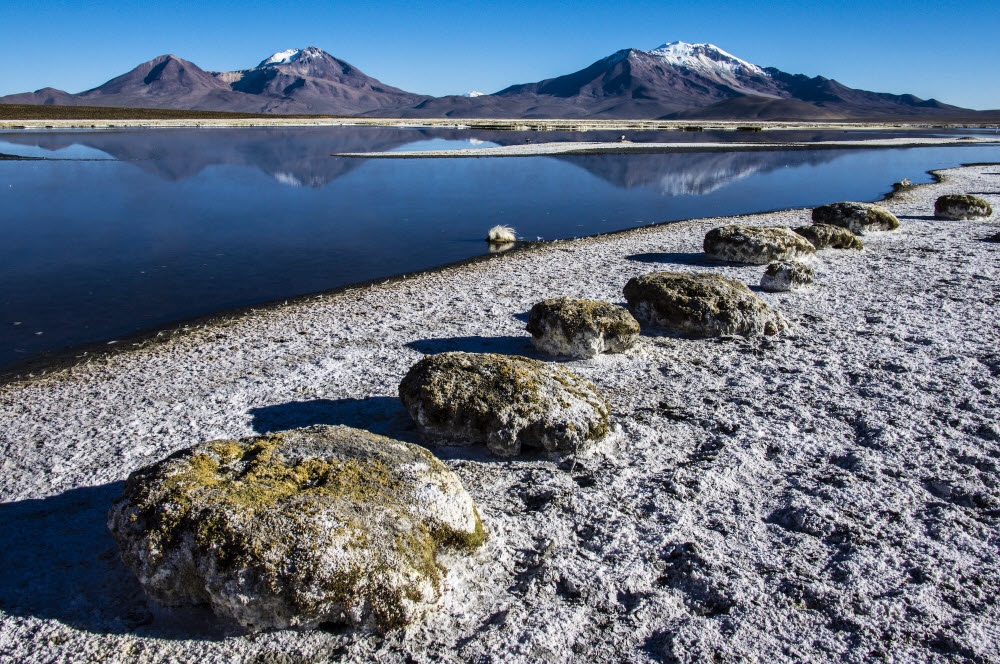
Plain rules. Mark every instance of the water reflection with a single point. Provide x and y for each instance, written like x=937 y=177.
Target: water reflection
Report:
x=300 y=157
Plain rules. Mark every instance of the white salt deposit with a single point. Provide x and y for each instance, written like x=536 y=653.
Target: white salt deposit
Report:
x=830 y=494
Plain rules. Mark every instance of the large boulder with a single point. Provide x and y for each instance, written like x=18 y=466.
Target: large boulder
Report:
x=755 y=244
x=322 y=524
x=505 y=402
x=701 y=305
x=786 y=276
x=858 y=218
x=961 y=206
x=828 y=236
x=581 y=328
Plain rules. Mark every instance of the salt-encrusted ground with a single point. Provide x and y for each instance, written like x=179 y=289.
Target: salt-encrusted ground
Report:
x=828 y=495
x=579 y=147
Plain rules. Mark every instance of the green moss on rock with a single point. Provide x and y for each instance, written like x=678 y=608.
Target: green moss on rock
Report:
x=755 y=244
x=828 y=236
x=581 y=328
x=962 y=206
x=700 y=305
x=290 y=530
x=859 y=218
x=505 y=402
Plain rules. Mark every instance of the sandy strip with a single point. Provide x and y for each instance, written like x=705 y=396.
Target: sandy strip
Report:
x=538 y=149
x=544 y=124
x=828 y=495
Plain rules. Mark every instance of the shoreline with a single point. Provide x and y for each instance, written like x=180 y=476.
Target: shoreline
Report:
x=48 y=362
x=828 y=493
x=544 y=124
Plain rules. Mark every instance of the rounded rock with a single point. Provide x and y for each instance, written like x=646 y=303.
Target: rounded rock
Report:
x=701 y=305
x=961 y=206
x=755 y=244
x=297 y=528
x=859 y=218
x=786 y=276
x=506 y=402
x=828 y=236
x=581 y=328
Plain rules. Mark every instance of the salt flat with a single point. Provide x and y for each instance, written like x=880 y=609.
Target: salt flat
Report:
x=580 y=147
x=828 y=494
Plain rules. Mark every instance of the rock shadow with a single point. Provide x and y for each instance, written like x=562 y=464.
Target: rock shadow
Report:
x=698 y=259
x=923 y=217
x=384 y=416
x=502 y=345
x=59 y=562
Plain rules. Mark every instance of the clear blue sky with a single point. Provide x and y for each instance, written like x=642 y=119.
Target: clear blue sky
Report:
x=942 y=49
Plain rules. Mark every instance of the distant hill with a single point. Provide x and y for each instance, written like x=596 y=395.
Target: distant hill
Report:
x=674 y=81
x=304 y=81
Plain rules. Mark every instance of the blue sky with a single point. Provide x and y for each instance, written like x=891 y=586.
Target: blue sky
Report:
x=942 y=49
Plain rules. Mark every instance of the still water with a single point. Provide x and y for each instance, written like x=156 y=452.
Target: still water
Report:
x=131 y=229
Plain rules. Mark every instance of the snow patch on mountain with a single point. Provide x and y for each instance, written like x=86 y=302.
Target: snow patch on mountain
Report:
x=705 y=59
x=474 y=93
x=292 y=55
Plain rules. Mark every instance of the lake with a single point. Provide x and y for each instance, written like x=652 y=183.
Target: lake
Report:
x=129 y=229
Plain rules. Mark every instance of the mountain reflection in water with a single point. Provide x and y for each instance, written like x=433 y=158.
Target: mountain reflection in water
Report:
x=301 y=156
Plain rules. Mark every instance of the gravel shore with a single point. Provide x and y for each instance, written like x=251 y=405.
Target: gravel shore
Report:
x=830 y=494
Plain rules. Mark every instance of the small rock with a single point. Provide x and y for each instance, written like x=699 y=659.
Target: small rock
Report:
x=858 y=218
x=581 y=328
x=755 y=244
x=995 y=237
x=786 y=276
x=961 y=206
x=505 y=402
x=828 y=236
x=322 y=524
x=702 y=305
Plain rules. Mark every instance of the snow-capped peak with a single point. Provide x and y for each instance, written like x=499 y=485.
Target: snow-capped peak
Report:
x=705 y=58
x=474 y=93
x=292 y=55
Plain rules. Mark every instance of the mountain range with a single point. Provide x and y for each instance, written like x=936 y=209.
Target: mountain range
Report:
x=674 y=81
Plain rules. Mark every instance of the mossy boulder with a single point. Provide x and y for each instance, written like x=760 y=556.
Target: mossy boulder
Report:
x=828 y=236
x=581 y=328
x=313 y=525
x=755 y=244
x=786 y=276
x=506 y=402
x=962 y=206
x=700 y=305
x=859 y=218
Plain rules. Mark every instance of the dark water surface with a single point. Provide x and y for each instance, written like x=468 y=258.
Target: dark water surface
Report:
x=183 y=222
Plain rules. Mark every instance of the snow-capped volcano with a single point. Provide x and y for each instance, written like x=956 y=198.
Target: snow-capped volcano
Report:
x=704 y=58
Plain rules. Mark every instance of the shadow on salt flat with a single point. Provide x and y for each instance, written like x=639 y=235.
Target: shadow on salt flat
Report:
x=502 y=345
x=384 y=416
x=59 y=562
x=678 y=258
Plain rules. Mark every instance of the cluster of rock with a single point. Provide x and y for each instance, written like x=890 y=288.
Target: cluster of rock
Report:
x=335 y=524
